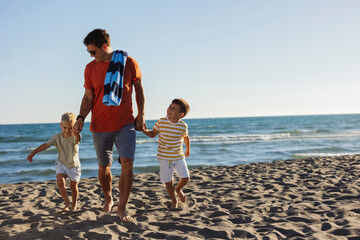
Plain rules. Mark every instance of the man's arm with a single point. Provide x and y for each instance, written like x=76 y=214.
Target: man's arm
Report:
x=85 y=108
x=140 y=101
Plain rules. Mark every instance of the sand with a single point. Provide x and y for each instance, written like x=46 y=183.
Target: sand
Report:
x=314 y=198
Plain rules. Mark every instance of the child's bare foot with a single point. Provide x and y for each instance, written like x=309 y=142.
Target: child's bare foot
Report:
x=181 y=195
x=124 y=216
x=108 y=206
x=67 y=207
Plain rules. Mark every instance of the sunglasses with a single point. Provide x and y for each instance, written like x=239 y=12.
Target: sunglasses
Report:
x=93 y=52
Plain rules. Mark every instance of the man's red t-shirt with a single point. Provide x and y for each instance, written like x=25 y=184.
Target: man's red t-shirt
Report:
x=110 y=118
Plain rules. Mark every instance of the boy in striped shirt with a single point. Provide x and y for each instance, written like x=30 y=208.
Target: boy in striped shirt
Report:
x=173 y=132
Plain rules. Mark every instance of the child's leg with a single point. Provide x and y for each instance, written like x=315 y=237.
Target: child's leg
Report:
x=183 y=172
x=179 y=186
x=74 y=194
x=63 y=192
x=171 y=190
x=166 y=176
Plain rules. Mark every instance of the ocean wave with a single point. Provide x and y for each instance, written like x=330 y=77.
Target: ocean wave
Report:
x=23 y=139
x=51 y=149
x=146 y=140
x=333 y=135
x=238 y=138
x=37 y=172
x=292 y=135
x=303 y=131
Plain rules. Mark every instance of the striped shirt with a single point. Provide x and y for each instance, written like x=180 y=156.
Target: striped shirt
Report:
x=171 y=138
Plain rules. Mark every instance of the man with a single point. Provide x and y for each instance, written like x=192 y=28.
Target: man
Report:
x=111 y=124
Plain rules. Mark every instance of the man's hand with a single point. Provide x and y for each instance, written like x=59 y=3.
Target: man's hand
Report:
x=139 y=123
x=78 y=126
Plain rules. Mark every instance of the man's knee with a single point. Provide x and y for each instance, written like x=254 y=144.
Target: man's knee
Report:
x=126 y=164
x=105 y=169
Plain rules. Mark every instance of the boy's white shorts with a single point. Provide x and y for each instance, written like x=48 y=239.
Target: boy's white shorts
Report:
x=167 y=169
x=73 y=173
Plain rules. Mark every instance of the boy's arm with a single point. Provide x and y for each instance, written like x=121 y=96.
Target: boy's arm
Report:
x=149 y=133
x=187 y=145
x=41 y=148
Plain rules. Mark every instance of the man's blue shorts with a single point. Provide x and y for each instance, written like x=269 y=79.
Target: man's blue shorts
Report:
x=124 y=140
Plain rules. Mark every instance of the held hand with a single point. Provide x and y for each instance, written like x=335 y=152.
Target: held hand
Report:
x=139 y=123
x=145 y=127
x=77 y=128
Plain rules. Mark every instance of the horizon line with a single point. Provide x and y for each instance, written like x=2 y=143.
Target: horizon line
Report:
x=252 y=116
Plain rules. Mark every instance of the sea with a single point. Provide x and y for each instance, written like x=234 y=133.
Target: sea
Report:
x=214 y=142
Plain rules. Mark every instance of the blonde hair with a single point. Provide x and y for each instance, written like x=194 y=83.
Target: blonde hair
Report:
x=68 y=118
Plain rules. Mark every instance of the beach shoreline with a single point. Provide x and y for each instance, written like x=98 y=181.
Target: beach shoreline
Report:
x=310 y=198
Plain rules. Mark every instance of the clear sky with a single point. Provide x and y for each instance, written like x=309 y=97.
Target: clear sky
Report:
x=228 y=58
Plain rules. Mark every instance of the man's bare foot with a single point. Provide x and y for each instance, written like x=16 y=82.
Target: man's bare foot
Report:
x=74 y=207
x=124 y=216
x=108 y=206
x=67 y=207
x=174 y=205
x=181 y=195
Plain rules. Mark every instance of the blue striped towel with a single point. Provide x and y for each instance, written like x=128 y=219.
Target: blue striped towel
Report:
x=113 y=84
